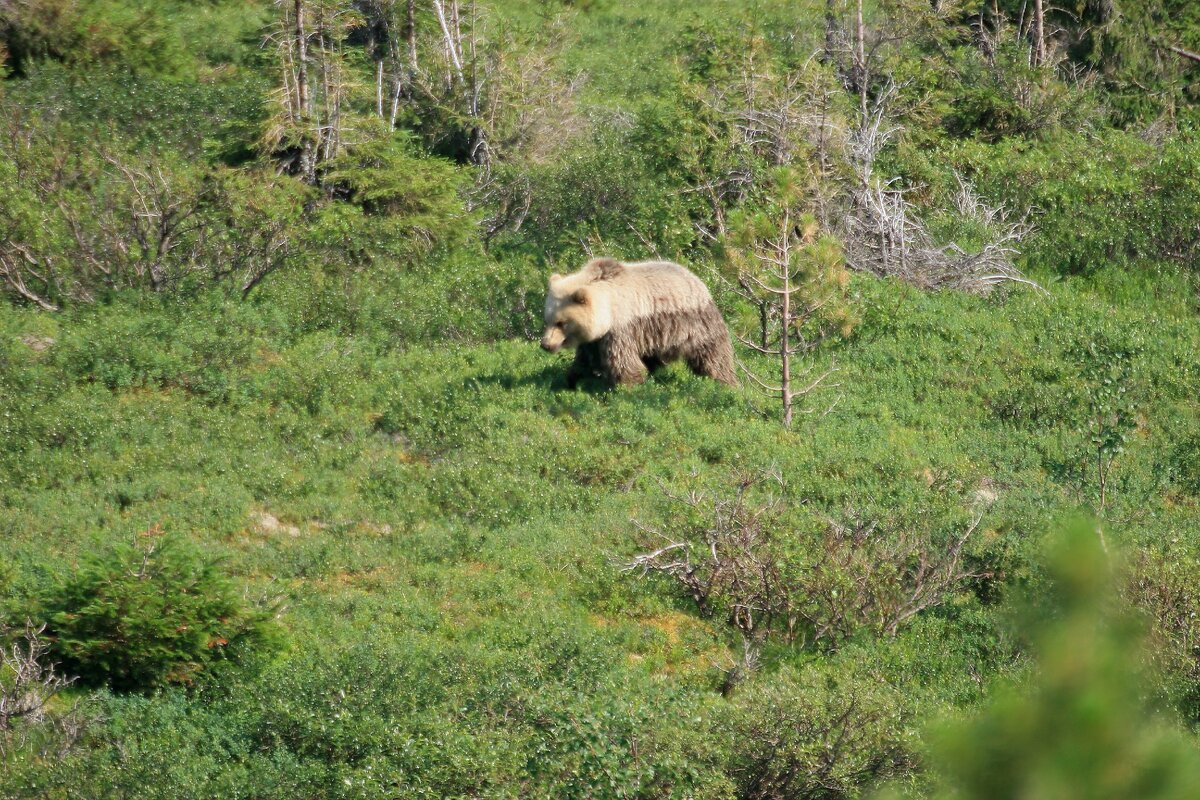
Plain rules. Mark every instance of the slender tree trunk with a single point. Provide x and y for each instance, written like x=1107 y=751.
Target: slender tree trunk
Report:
x=474 y=101
x=410 y=35
x=395 y=104
x=451 y=46
x=302 y=50
x=1188 y=54
x=379 y=89
x=784 y=342
x=860 y=57
x=325 y=126
x=1039 y=34
x=288 y=80
x=831 y=25
x=307 y=147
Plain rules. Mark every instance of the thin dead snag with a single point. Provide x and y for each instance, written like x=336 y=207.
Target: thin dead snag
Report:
x=316 y=82
x=739 y=561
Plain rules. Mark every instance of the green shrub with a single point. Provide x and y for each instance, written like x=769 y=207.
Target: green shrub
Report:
x=134 y=36
x=606 y=194
x=1003 y=95
x=1098 y=199
x=216 y=117
x=404 y=203
x=817 y=735
x=140 y=616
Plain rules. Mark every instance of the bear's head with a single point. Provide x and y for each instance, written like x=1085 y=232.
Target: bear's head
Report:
x=577 y=306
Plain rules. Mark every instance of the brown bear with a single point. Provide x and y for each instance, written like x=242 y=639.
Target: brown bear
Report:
x=626 y=319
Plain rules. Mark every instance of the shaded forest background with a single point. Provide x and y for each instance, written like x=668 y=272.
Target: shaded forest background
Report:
x=291 y=505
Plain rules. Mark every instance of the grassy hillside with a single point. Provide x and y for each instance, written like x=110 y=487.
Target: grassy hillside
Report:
x=416 y=540
x=440 y=529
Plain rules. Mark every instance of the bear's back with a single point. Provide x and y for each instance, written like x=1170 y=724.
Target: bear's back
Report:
x=648 y=288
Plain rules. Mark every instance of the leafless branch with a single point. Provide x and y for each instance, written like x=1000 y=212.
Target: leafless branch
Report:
x=27 y=681
x=852 y=574
x=1188 y=54
x=884 y=235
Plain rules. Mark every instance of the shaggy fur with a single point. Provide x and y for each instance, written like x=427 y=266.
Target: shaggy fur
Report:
x=625 y=320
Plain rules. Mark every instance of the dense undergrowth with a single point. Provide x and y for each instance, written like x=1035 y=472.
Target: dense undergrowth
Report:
x=303 y=506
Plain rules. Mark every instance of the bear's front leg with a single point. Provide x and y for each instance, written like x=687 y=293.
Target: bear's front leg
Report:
x=587 y=361
x=623 y=361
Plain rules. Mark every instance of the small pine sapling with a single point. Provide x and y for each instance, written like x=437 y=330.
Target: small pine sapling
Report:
x=795 y=277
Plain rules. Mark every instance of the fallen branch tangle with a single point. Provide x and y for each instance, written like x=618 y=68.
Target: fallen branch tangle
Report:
x=815 y=588
x=884 y=236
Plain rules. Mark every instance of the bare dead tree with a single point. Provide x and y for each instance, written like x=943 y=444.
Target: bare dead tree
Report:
x=1038 y=34
x=315 y=83
x=446 y=61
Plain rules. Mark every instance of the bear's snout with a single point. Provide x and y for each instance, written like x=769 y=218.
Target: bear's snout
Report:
x=553 y=340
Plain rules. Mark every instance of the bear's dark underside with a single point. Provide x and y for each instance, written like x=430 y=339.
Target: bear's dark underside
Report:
x=625 y=355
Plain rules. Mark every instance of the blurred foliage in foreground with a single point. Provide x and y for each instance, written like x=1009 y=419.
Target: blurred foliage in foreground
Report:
x=1081 y=727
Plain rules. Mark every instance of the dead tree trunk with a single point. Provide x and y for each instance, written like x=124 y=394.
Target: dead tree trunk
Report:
x=1039 y=34
x=860 y=57
x=308 y=154
x=831 y=29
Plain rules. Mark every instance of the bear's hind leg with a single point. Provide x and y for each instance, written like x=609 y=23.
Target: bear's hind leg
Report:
x=714 y=359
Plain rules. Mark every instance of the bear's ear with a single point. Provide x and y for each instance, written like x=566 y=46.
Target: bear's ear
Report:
x=580 y=297
x=555 y=278
x=603 y=269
